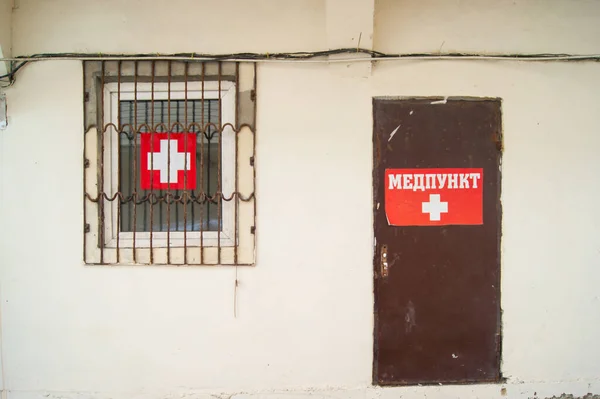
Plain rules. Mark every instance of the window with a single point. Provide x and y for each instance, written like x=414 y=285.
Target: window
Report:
x=169 y=162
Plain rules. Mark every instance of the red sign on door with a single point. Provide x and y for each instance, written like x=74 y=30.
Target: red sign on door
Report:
x=168 y=161
x=433 y=197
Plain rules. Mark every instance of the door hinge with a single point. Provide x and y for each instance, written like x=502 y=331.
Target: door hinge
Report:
x=251 y=161
x=86 y=228
x=252 y=229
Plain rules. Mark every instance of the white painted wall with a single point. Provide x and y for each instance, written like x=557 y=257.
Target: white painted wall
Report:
x=304 y=325
x=168 y=26
x=503 y=26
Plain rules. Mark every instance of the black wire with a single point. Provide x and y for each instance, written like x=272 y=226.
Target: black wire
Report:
x=300 y=55
x=12 y=73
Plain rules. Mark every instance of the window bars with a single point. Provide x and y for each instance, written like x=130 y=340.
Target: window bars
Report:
x=169 y=172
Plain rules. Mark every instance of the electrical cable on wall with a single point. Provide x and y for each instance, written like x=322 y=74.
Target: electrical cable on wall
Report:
x=302 y=56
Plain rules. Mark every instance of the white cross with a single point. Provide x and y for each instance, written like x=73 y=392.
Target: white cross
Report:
x=434 y=207
x=160 y=161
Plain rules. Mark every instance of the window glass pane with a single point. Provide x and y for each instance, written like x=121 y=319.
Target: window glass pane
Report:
x=199 y=211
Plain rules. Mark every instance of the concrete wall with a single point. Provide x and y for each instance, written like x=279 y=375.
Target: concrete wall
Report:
x=304 y=325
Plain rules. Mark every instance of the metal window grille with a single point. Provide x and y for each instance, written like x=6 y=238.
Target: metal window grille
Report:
x=208 y=222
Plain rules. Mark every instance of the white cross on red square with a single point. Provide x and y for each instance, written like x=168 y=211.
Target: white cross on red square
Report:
x=167 y=161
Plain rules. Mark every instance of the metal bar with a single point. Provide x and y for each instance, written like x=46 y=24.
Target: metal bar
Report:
x=237 y=188
x=135 y=180
x=203 y=196
x=161 y=195
x=101 y=185
x=130 y=156
x=208 y=136
x=153 y=68
x=185 y=168
x=219 y=177
x=194 y=103
x=177 y=191
x=145 y=192
x=85 y=161
x=255 y=87
x=119 y=157
x=169 y=163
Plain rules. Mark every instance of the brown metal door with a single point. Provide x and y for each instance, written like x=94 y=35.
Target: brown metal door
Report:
x=437 y=287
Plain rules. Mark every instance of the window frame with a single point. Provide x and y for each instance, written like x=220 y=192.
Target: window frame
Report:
x=200 y=76
x=224 y=91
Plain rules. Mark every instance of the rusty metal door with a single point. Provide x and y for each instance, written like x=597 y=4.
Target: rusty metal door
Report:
x=437 y=287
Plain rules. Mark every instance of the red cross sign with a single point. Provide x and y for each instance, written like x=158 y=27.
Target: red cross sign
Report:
x=433 y=197
x=168 y=161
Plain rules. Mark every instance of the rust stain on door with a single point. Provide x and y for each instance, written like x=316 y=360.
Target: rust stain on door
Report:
x=437 y=289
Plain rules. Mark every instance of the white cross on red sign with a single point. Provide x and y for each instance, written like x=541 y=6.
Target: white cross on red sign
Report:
x=167 y=161
x=423 y=197
x=434 y=207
